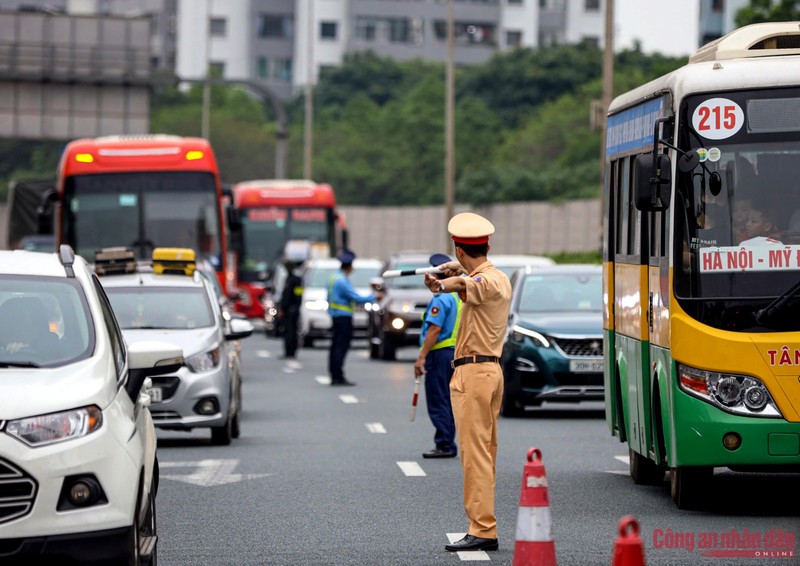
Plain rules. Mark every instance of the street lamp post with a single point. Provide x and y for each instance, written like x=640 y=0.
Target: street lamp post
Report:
x=308 y=153
x=449 y=168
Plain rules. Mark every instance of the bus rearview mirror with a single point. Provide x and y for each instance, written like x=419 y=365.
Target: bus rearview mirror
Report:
x=651 y=185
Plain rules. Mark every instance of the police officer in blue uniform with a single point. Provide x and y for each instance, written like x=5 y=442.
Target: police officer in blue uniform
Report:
x=437 y=345
x=342 y=299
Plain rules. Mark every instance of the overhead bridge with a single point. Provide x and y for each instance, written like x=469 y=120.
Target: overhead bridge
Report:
x=64 y=76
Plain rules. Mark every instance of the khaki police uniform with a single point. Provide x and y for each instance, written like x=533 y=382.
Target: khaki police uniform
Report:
x=476 y=389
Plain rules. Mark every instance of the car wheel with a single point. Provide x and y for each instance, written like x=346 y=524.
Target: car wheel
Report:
x=387 y=349
x=143 y=536
x=374 y=351
x=643 y=470
x=308 y=341
x=222 y=435
x=510 y=407
x=236 y=429
x=687 y=485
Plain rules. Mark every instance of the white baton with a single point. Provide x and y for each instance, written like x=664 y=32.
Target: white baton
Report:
x=406 y=272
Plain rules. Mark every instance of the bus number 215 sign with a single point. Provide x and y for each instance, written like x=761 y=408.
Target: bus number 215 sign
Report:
x=718 y=118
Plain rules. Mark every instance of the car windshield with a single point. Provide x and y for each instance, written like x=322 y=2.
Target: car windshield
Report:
x=410 y=282
x=168 y=308
x=44 y=322
x=359 y=278
x=561 y=292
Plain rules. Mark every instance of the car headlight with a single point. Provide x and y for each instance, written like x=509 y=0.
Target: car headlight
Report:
x=205 y=361
x=317 y=305
x=400 y=307
x=519 y=333
x=56 y=427
x=737 y=394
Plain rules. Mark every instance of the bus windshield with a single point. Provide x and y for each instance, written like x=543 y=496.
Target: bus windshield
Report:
x=737 y=223
x=143 y=210
x=266 y=231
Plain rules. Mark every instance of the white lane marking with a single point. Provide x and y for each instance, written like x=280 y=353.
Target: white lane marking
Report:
x=263 y=354
x=411 y=469
x=624 y=459
x=323 y=379
x=294 y=364
x=348 y=399
x=376 y=428
x=208 y=473
x=467 y=555
x=288 y=370
x=618 y=472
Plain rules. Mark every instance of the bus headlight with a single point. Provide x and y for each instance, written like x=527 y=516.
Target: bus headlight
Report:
x=737 y=394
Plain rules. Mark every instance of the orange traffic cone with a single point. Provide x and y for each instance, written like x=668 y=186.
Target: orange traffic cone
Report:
x=534 y=541
x=628 y=548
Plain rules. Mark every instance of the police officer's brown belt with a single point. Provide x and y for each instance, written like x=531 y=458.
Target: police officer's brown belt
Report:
x=473 y=360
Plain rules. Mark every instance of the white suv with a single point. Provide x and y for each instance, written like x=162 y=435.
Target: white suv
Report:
x=78 y=468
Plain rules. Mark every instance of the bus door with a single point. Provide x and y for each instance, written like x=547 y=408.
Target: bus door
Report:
x=631 y=295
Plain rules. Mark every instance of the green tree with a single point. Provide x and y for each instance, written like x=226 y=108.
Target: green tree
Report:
x=759 y=11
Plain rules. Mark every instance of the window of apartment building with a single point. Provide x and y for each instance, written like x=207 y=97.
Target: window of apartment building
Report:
x=282 y=69
x=591 y=5
x=217 y=27
x=217 y=69
x=549 y=38
x=391 y=30
x=513 y=39
x=717 y=6
x=366 y=28
x=591 y=40
x=467 y=33
x=275 y=26
x=261 y=68
x=327 y=30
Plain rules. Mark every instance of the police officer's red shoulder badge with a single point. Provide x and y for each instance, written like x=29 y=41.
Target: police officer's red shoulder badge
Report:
x=434 y=311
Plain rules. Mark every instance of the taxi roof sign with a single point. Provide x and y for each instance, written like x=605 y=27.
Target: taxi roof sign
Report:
x=176 y=261
x=114 y=260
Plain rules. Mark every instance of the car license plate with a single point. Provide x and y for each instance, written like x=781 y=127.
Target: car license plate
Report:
x=156 y=394
x=586 y=366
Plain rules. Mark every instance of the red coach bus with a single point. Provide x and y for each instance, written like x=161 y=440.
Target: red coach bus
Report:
x=143 y=192
x=273 y=212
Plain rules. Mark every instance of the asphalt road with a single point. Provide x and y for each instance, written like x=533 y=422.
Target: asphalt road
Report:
x=325 y=475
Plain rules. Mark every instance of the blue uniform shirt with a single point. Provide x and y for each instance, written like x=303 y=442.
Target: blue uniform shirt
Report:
x=342 y=297
x=443 y=312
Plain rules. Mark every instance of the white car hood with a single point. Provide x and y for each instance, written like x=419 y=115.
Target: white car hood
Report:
x=192 y=341
x=28 y=392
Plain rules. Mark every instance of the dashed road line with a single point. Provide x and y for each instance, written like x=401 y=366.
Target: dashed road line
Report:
x=349 y=399
x=467 y=555
x=625 y=460
x=411 y=469
x=376 y=428
x=323 y=379
x=263 y=353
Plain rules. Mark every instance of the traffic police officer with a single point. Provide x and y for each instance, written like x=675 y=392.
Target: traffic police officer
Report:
x=476 y=389
x=342 y=299
x=437 y=344
x=291 y=297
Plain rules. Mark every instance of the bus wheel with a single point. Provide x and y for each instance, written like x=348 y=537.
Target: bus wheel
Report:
x=643 y=470
x=688 y=485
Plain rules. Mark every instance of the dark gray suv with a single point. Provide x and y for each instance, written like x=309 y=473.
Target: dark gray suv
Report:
x=397 y=319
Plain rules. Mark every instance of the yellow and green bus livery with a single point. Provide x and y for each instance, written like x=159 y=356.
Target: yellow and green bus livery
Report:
x=701 y=251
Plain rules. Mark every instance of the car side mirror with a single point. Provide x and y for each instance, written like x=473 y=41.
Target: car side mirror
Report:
x=239 y=328
x=148 y=358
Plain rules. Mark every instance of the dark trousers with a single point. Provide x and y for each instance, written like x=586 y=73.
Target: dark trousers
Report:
x=342 y=335
x=290 y=332
x=437 y=394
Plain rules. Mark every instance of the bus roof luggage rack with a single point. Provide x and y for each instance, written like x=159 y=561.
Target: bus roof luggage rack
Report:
x=756 y=40
x=117 y=260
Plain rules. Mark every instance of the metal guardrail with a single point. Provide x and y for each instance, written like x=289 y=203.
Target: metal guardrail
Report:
x=72 y=62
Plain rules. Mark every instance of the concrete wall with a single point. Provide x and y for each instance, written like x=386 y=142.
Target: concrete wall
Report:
x=522 y=228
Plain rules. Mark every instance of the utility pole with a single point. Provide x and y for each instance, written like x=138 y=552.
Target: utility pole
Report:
x=205 y=120
x=308 y=154
x=608 y=71
x=449 y=168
